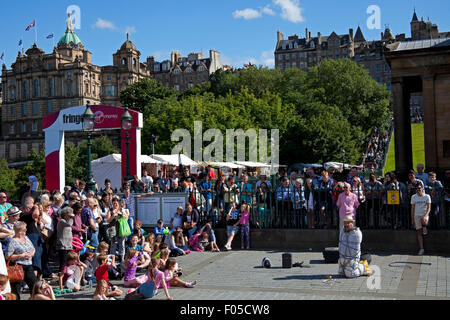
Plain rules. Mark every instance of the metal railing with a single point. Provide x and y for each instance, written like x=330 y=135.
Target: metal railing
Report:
x=292 y=208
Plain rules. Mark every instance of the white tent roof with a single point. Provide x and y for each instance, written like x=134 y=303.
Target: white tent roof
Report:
x=112 y=158
x=172 y=159
x=253 y=164
x=230 y=165
x=148 y=159
x=117 y=158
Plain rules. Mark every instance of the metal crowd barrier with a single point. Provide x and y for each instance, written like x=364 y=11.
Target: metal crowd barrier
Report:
x=293 y=208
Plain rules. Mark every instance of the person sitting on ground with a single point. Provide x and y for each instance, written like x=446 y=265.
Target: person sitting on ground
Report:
x=101 y=290
x=350 y=251
x=144 y=258
x=102 y=274
x=169 y=239
x=155 y=279
x=212 y=237
x=42 y=291
x=72 y=272
x=171 y=276
x=132 y=258
x=159 y=228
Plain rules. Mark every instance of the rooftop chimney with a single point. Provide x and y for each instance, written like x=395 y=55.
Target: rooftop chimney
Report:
x=350 y=31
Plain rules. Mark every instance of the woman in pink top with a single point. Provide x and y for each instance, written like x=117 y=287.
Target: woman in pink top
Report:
x=244 y=221
x=347 y=204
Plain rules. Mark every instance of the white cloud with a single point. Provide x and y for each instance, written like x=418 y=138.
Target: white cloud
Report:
x=247 y=14
x=267 y=10
x=290 y=10
x=105 y=24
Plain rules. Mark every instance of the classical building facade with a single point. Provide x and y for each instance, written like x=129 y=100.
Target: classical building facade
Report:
x=181 y=73
x=40 y=83
x=307 y=52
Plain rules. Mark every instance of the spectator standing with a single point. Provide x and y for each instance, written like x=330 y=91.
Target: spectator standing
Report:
x=420 y=210
x=21 y=250
x=434 y=188
x=245 y=191
x=161 y=181
x=148 y=180
x=4 y=206
x=422 y=175
x=64 y=235
x=88 y=219
x=310 y=204
x=347 y=204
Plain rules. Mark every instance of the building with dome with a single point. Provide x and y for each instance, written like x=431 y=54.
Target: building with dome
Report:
x=41 y=83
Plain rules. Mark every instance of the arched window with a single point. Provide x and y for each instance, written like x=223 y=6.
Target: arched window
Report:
x=134 y=62
x=124 y=61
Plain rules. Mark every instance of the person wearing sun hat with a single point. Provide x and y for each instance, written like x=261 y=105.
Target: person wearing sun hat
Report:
x=350 y=251
x=7 y=228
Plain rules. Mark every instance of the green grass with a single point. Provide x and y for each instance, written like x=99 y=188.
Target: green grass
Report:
x=418 y=148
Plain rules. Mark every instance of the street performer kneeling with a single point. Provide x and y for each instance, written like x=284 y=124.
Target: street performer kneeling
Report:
x=350 y=251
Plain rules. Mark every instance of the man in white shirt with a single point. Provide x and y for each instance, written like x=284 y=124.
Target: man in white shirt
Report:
x=420 y=210
x=147 y=179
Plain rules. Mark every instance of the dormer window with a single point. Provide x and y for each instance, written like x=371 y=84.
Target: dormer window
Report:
x=312 y=44
x=295 y=45
x=188 y=70
x=176 y=71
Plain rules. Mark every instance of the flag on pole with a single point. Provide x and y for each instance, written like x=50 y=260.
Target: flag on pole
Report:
x=1 y=57
x=20 y=42
x=31 y=25
x=50 y=36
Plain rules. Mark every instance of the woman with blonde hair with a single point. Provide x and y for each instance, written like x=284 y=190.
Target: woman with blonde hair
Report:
x=42 y=291
x=101 y=290
x=21 y=250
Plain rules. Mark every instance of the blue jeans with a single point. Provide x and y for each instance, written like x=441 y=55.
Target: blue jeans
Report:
x=94 y=239
x=192 y=231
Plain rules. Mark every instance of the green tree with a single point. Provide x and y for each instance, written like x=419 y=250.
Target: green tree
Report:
x=145 y=96
x=8 y=178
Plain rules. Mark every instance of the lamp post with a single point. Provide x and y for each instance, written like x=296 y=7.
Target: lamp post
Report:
x=127 y=122
x=88 y=126
x=154 y=140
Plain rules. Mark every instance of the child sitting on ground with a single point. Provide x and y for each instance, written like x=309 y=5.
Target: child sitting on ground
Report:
x=88 y=259
x=171 y=276
x=102 y=249
x=159 y=229
x=144 y=258
x=150 y=288
x=101 y=290
x=131 y=262
x=102 y=273
x=72 y=272
x=148 y=244
x=155 y=249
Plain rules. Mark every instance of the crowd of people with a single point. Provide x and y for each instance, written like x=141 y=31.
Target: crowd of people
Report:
x=377 y=150
x=93 y=236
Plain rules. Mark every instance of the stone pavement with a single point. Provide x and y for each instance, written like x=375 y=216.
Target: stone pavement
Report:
x=238 y=275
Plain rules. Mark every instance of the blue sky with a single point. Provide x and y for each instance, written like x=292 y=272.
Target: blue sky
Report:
x=241 y=30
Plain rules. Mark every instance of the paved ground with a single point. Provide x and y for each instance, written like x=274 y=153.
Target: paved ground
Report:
x=238 y=275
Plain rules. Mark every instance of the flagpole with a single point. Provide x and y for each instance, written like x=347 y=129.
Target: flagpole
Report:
x=35 y=31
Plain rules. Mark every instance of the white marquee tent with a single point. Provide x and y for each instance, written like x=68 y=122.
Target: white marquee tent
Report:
x=110 y=167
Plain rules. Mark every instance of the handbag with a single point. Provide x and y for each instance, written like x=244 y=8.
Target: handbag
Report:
x=124 y=227
x=15 y=272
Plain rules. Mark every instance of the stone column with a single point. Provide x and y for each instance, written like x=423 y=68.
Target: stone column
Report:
x=402 y=125
x=429 y=111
